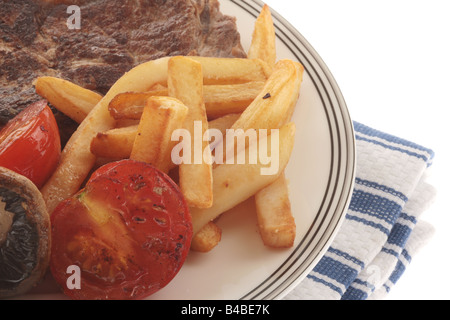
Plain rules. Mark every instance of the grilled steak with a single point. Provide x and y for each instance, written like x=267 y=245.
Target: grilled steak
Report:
x=115 y=36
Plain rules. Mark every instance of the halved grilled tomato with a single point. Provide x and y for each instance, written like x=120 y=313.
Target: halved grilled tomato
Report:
x=128 y=231
x=30 y=143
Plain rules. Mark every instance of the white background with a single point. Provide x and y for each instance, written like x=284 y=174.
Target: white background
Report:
x=391 y=60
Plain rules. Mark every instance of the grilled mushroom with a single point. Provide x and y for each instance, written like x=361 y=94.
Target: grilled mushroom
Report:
x=24 y=234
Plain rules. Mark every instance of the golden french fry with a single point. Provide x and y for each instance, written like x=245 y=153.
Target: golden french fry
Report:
x=153 y=144
x=269 y=109
x=122 y=123
x=115 y=143
x=263 y=45
x=223 y=123
x=275 y=220
x=129 y=105
x=72 y=100
x=185 y=82
x=233 y=70
x=76 y=159
x=219 y=100
x=235 y=183
x=207 y=238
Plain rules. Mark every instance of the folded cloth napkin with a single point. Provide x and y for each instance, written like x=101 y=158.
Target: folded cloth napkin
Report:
x=382 y=230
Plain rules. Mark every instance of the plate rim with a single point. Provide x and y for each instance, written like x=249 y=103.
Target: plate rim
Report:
x=274 y=289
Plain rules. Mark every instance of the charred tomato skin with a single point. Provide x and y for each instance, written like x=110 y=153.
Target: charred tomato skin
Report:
x=129 y=231
x=30 y=143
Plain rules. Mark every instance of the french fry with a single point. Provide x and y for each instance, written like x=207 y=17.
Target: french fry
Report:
x=153 y=144
x=291 y=108
x=233 y=70
x=76 y=159
x=219 y=100
x=263 y=45
x=207 y=238
x=115 y=143
x=185 y=82
x=273 y=210
x=223 y=123
x=269 y=109
x=235 y=183
x=72 y=100
x=122 y=123
x=275 y=220
x=129 y=105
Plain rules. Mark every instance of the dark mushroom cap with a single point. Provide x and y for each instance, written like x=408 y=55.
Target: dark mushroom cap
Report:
x=24 y=234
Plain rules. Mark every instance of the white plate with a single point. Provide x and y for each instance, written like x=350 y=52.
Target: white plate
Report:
x=321 y=173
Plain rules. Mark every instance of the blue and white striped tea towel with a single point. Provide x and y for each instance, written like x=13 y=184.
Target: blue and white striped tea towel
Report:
x=382 y=230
